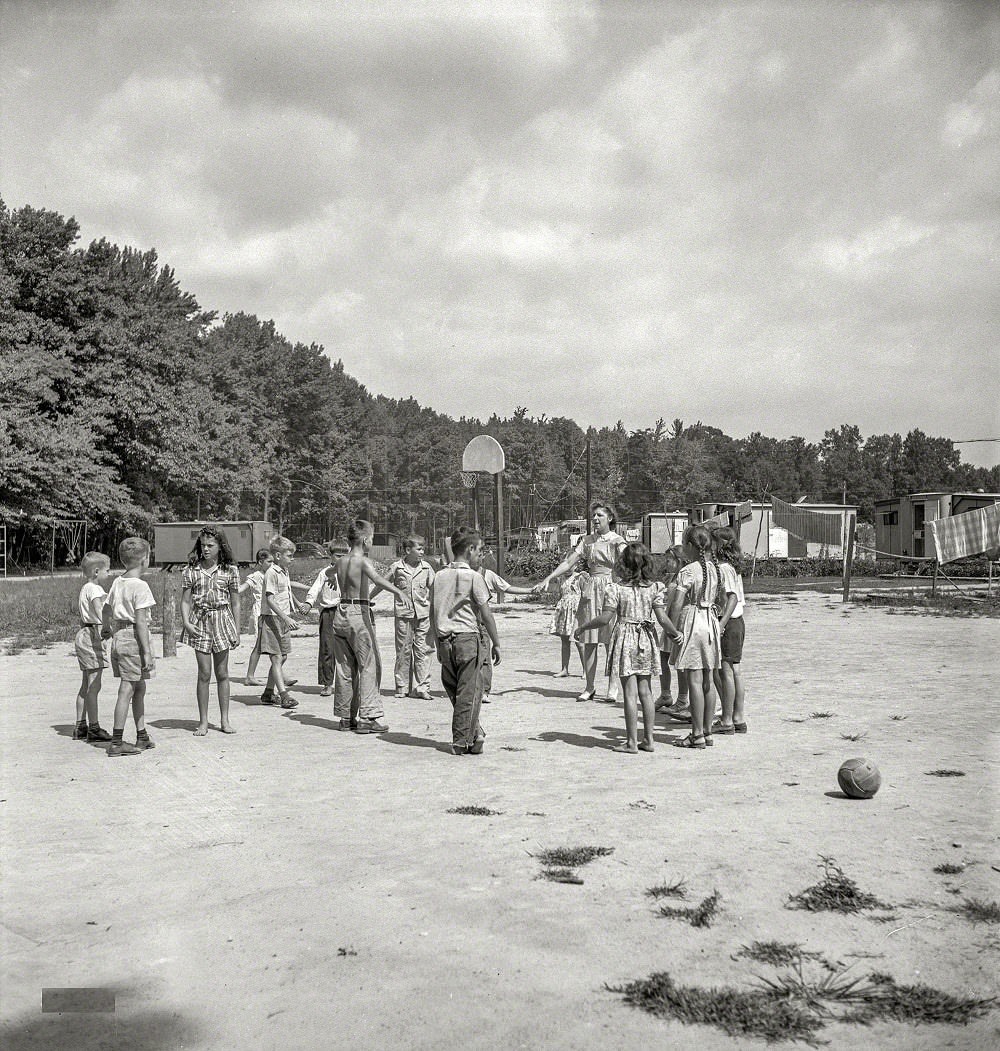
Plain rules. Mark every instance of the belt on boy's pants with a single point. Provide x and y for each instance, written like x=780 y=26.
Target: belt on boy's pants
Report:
x=355 y=601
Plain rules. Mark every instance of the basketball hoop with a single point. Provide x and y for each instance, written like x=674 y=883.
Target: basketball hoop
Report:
x=470 y=479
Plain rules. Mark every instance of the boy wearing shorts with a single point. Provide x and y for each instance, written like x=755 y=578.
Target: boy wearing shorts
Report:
x=254 y=583
x=126 y=622
x=89 y=647
x=413 y=575
x=460 y=603
x=276 y=623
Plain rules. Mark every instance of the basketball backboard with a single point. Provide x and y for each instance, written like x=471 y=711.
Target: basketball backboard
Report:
x=484 y=453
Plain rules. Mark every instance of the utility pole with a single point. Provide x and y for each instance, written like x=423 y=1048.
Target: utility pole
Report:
x=587 y=490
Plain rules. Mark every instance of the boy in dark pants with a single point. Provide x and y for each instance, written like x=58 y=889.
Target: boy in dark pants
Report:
x=460 y=602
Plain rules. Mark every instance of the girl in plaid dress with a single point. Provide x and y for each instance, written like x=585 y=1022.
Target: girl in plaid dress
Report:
x=210 y=612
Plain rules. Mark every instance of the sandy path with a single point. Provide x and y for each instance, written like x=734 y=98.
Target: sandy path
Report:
x=213 y=881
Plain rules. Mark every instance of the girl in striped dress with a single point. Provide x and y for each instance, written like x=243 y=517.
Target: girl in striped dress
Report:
x=564 y=616
x=692 y=608
x=210 y=612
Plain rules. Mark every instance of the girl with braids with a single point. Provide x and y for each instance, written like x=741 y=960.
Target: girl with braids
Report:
x=634 y=600
x=692 y=609
x=210 y=611
x=733 y=720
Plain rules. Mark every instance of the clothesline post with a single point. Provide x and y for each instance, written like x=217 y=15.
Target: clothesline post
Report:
x=934 y=581
x=848 y=556
x=169 y=612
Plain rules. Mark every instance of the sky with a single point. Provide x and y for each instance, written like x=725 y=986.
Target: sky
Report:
x=774 y=217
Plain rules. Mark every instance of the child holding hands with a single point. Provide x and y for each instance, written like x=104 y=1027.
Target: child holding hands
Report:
x=564 y=620
x=276 y=623
x=89 y=647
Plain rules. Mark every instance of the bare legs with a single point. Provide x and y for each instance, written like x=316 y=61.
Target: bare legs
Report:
x=636 y=691
x=86 y=699
x=206 y=662
x=700 y=692
x=732 y=694
x=131 y=694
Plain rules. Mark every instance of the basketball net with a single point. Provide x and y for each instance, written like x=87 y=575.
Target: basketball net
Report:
x=470 y=479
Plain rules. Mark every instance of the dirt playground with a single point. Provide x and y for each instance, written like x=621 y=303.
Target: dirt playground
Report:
x=295 y=887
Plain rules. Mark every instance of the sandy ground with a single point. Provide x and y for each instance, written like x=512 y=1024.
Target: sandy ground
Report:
x=295 y=887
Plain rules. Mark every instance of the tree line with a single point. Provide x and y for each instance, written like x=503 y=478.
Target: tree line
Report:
x=124 y=401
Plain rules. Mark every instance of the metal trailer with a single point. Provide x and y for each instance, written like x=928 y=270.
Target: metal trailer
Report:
x=900 y=521
x=662 y=530
x=174 y=541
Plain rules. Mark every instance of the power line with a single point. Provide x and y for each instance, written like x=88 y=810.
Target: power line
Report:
x=970 y=441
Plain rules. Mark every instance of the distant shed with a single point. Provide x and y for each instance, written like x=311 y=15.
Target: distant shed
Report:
x=759 y=534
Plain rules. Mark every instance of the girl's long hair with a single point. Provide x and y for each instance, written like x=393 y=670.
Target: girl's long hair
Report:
x=700 y=540
x=225 y=551
x=672 y=562
x=634 y=566
x=727 y=547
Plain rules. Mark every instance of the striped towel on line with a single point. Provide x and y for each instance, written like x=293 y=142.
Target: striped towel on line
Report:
x=971 y=533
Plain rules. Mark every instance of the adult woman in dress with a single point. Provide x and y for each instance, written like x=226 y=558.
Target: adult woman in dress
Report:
x=598 y=551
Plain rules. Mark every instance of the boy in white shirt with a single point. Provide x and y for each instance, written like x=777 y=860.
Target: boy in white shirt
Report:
x=89 y=648
x=324 y=595
x=495 y=587
x=254 y=583
x=276 y=623
x=126 y=622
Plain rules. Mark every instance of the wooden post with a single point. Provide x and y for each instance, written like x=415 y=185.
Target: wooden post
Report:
x=989 y=576
x=169 y=612
x=52 y=555
x=849 y=557
x=588 y=490
x=498 y=494
x=934 y=581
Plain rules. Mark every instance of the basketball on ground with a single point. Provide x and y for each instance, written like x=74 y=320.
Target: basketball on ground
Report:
x=859 y=778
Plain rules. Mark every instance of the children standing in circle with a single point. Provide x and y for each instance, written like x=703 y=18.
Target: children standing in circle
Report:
x=633 y=655
x=254 y=583
x=679 y=710
x=564 y=620
x=692 y=610
x=733 y=632
x=210 y=613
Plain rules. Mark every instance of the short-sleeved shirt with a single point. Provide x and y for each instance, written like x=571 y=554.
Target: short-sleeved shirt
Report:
x=495 y=584
x=690 y=581
x=732 y=583
x=415 y=583
x=127 y=595
x=211 y=588
x=325 y=590
x=92 y=598
x=255 y=582
x=277 y=596
x=457 y=593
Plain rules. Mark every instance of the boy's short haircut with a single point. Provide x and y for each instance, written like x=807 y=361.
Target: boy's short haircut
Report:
x=462 y=539
x=281 y=543
x=339 y=546
x=412 y=541
x=359 y=529
x=92 y=559
x=262 y=553
x=132 y=550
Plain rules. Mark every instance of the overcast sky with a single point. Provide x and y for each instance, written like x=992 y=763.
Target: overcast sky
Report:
x=776 y=217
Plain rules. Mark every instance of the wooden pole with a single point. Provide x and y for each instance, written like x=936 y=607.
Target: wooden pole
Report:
x=169 y=612
x=934 y=581
x=52 y=553
x=588 y=490
x=498 y=494
x=849 y=557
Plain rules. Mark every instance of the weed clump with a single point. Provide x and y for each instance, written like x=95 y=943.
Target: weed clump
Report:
x=737 y=1012
x=474 y=811
x=822 y=715
x=946 y=868
x=677 y=889
x=777 y=954
x=921 y=1004
x=572 y=857
x=700 y=916
x=853 y=737
x=560 y=875
x=945 y=773
x=979 y=911
x=835 y=892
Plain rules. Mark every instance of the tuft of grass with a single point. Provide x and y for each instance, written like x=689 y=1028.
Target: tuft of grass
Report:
x=511 y=748
x=853 y=737
x=791 y=719
x=346 y=950
x=559 y=875
x=898 y=718
x=945 y=773
x=816 y=993
x=979 y=911
x=474 y=811
x=677 y=889
x=777 y=954
x=737 y=1012
x=822 y=715
x=948 y=869
x=572 y=857
x=700 y=916
x=921 y=1004
x=835 y=892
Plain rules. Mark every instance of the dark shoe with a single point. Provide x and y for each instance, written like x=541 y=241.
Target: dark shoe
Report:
x=370 y=726
x=121 y=748
x=691 y=741
x=459 y=749
x=477 y=746
x=146 y=744
x=740 y=728
x=80 y=733
x=268 y=698
x=725 y=731
x=348 y=724
x=288 y=701
x=98 y=735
